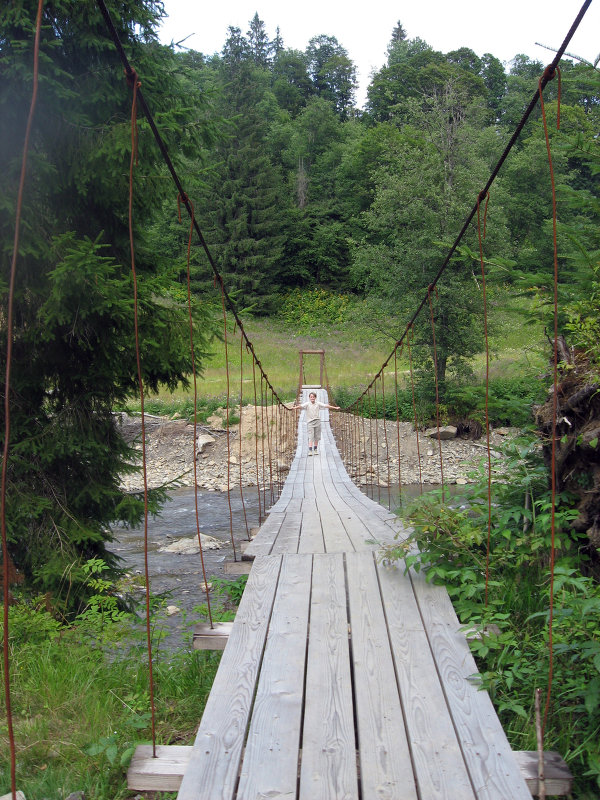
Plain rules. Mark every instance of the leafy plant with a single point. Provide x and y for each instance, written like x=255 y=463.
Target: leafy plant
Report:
x=449 y=543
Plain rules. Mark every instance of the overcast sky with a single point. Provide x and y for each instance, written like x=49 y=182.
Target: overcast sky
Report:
x=364 y=29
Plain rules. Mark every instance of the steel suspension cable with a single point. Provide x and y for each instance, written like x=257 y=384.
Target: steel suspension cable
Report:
x=7 y=407
x=176 y=180
x=546 y=77
x=132 y=79
x=549 y=73
x=195 y=383
x=487 y=394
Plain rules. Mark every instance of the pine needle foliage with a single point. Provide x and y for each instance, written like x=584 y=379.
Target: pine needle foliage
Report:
x=73 y=338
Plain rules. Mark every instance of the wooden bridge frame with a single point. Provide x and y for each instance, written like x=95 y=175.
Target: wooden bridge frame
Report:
x=303 y=353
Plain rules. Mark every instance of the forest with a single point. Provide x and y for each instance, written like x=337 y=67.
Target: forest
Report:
x=300 y=195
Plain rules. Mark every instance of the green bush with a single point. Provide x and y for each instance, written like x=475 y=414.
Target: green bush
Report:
x=513 y=654
x=510 y=401
x=306 y=309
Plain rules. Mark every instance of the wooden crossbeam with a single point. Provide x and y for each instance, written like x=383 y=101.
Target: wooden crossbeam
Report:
x=165 y=772
x=207 y=638
x=558 y=779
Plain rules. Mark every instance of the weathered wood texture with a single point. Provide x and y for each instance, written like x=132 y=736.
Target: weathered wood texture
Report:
x=162 y=773
x=557 y=777
x=344 y=679
x=330 y=688
x=165 y=772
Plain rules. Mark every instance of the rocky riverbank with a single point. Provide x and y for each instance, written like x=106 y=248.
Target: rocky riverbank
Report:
x=170 y=452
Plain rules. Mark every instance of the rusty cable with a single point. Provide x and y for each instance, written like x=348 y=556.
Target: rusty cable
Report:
x=262 y=441
x=260 y=516
x=176 y=180
x=135 y=84
x=412 y=386
x=193 y=358
x=437 y=392
x=398 y=425
x=546 y=77
x=387 y=449
x=377 y=444
x=487 y=395
x=554 y=406
x=227 y=417
x=240 y=432
x=7 y=409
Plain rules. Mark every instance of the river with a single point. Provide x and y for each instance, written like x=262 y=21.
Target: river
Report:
x=178 y=577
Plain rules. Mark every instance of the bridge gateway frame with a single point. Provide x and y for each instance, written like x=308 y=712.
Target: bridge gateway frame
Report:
x=301 y=381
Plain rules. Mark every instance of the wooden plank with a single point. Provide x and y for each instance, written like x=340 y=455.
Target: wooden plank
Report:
x=237 y=567
x=385 y=761
x=262 y=543
x=328 y=770
x=335 y=535
x=437 y=758
x=160 y=774
x=215 y=760
x=355 y=526
x=207 y=638
x=485 y=747
x=289 y=536
x=377 y=530
x=270 y=765
x=557 y=776
x=311 y=535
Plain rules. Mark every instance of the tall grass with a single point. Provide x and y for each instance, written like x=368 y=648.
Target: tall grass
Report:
x=80 y=701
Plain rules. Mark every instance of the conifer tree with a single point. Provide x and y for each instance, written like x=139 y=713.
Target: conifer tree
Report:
x=243 y=200
x=73 y=342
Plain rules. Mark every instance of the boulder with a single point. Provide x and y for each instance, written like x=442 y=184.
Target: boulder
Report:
x=446 y=432
x=188 y=545
x=203 y=440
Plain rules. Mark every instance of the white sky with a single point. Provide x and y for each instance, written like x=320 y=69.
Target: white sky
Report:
x=364 y=28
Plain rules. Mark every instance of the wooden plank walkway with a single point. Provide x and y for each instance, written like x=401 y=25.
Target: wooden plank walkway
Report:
x=344 y=679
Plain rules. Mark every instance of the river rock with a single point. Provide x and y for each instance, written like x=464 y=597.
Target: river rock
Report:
x=188 y=545
x=20 y=796
x=203 y=440
x=172 y=610
x=446 y=432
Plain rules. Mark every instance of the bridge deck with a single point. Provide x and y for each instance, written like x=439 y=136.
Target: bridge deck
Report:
x=343 y=678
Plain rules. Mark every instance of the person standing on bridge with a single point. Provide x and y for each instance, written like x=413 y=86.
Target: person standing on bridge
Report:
x=313 y=421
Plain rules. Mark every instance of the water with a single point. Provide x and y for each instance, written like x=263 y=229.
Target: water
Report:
x=177 y=576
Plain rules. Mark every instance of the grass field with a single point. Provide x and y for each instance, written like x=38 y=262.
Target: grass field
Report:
x=355 y=348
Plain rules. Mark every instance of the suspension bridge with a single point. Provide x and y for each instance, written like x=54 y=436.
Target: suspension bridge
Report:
x=343 y=677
